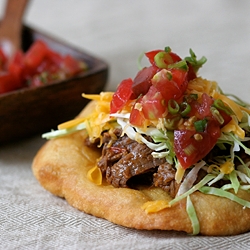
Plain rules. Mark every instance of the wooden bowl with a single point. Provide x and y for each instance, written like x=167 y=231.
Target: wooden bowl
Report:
x=31 y=111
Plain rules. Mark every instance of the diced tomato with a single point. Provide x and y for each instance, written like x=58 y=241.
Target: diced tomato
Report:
x=71 y=66
x=153 y=104
x=142 y=81
x=34 y=56
x=151 y=55
x=55 y=57
x=227 y=118
x=213 y=129
x=8 y=83
x=121 y=96
x=204 y=107
x=171 y=84
x=201 y=108
x=191 y=72
x=137 y=117
x=179 y=76
x=3 y=60
x=37 y=66
x=52 y=63
x=36 y=81
x=191 y=146
x=16 y=69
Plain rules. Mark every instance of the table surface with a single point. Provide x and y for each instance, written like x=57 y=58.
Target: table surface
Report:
x=118 y=32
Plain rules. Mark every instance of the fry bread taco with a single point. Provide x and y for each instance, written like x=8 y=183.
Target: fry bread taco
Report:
x=168 y=150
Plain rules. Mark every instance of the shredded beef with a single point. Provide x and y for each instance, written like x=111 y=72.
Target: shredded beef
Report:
x=127 y=163
x=136 y=162
x=112 y=152
x=165 y=179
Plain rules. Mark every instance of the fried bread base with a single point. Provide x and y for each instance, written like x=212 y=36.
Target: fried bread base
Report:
x=61 y=167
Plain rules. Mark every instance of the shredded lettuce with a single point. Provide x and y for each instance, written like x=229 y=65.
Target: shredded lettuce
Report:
x=222 y=193
x=192 y=216
x=196 y=187
x=217 y=178
x=230 y=186
x=63 y=132
x=190 y=178
x=134 y=135
x=234 y=180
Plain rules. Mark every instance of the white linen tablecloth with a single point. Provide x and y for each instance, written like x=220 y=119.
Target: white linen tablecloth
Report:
x=118 y=32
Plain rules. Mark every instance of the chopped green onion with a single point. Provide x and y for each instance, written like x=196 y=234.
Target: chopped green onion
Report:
x=215 y=112
x=196 y=64
x=219 y=104
x=185 y=109
x=139 y=61
x=169 y=75
x=190 y=98
x=179 y=65
x=189 y=150
x=171 y=123
x=200 y=125
x=173 y=107
x=167 y=49
x=162 y=59
x=192 y=216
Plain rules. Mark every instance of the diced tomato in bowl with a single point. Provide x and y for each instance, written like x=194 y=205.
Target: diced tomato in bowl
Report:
x=29 y=69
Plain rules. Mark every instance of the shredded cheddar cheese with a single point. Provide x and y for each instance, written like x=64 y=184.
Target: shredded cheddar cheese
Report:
x=227 y=167
x=200 y=86
x=71 y=123
x=155 y=206
x=180 y=171
x=98 y=120
x=233 y=126
x=95 y=175
x=235 y=107
x=103 y=96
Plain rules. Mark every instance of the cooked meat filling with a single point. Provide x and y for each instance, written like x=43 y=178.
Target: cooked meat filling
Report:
x=127 y=163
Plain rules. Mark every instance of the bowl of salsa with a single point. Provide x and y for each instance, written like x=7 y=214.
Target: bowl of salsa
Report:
x=43 y=83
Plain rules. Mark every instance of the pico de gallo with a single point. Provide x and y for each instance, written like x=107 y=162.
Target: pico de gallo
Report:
x=38 y=66
x=199 y=133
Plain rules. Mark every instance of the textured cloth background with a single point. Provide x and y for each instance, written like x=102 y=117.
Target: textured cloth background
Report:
x=119 y=31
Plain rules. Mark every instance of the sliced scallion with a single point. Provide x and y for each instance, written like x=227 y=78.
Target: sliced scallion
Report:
x=173 y=107
x=163 y=59
x=200 y=125
x=179 y=65
x=219 y=104
x=185 y=109
x=215 y=112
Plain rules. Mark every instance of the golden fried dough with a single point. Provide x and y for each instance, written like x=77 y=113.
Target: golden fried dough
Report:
x=61 y=167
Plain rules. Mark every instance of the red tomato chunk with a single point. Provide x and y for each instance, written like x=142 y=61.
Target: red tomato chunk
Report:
x=38 y=66
x=159 y=91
